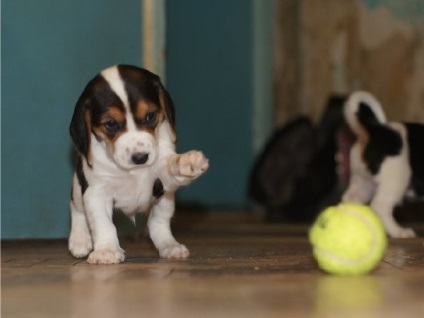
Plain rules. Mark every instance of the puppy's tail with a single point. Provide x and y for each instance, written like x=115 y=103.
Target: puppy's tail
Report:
x=363 y=111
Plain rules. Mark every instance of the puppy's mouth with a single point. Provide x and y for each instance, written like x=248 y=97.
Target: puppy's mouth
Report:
x=344 y=141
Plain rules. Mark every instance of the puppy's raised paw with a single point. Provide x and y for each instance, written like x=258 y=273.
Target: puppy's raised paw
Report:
x=106 y=256
x=191 y=164
x=175 y=251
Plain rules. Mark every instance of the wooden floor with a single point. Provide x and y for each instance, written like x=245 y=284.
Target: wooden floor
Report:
x=239 y=267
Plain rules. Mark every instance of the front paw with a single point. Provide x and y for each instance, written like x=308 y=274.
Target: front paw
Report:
x=402 y=232
x=175 y=251
x=106 y=256
x=80 y=245
x=191 y=164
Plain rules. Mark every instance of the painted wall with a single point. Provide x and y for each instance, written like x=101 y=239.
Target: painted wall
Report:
x=50 y=49
x=210 y=76
x=374 y=45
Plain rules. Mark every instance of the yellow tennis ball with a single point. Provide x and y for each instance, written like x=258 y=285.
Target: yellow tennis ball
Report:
x=348 y=239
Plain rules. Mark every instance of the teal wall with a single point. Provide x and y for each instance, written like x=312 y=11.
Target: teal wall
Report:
x=210 y=76
x=50 y=49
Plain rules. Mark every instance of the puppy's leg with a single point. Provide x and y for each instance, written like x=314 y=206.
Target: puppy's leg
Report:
x=160 y=229
x=390 y=191
x=361 y=189
x=174 y=171
x=361 y=185
x=80 y=242
x=384 y=206
x=105 y=239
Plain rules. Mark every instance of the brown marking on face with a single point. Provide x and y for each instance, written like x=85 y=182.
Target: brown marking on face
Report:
x=142 y=108
x=115 y=113
x=112 y=125
x=147 y=116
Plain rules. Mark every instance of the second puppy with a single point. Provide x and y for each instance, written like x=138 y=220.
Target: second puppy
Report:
x=386 y=161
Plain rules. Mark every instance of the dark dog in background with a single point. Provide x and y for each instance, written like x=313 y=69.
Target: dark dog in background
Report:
x=303 y=167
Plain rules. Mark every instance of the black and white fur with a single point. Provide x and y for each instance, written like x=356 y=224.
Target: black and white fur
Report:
x=387 y=160
x=123 y=129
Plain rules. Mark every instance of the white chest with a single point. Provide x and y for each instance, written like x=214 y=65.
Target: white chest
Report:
x=134 y=193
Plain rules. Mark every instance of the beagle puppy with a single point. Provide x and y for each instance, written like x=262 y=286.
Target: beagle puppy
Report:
x=123 y=129
x=387 y=160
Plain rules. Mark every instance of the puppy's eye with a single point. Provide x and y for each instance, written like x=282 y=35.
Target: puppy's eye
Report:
x=111 y=125
x=150 y=117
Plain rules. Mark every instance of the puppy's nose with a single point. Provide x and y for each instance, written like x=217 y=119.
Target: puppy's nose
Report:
x=139 y=158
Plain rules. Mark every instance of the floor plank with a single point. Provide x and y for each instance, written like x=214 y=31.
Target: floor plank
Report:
x=239 y=267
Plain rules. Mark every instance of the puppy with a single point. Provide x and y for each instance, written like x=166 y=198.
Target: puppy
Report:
x=123 y=129
x=387 y=160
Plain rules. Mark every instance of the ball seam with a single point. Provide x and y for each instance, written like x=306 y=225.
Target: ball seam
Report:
x=371 y=251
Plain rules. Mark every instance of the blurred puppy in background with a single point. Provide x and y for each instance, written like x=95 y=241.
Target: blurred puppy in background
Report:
x=387 y=160
x=304 y=166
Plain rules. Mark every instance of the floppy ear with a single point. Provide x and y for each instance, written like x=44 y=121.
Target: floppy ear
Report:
x=80 y=128
x=168 y=106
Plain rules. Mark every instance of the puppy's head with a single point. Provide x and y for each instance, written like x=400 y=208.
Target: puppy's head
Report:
x=126 y=109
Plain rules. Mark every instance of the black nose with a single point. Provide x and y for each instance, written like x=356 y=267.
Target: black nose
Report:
x=139 y=158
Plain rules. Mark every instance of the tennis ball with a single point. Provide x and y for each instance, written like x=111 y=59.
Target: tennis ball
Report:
x=348 y=239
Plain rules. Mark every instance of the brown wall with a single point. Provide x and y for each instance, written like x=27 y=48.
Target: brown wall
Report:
x=325 y=46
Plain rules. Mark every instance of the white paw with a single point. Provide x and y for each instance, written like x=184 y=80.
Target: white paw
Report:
x=191 y=164
x=402 y=232
x=80 y=245
x=175 y=251
x=106 y=256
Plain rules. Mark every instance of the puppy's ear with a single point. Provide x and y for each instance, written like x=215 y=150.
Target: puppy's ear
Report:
x=80 y=128
x=168 y=106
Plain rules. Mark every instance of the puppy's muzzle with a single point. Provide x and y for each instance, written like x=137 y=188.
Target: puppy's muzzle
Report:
x=140 y=158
